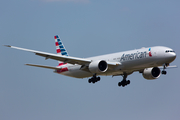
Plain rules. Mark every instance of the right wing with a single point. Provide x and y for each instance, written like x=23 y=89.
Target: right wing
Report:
x=65 y=59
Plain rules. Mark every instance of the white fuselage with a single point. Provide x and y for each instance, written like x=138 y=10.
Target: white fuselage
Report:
x=133 y=60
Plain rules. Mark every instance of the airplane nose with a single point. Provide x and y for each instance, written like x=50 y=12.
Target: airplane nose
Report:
x=173 y=56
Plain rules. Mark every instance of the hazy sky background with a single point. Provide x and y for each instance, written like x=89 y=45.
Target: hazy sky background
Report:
x=87 y=28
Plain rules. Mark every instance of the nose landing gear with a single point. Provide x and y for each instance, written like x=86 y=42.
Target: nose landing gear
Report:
x=164 y=67
x=164 y=72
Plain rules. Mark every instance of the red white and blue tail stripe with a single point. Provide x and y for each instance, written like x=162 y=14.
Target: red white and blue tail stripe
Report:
x=60 y=49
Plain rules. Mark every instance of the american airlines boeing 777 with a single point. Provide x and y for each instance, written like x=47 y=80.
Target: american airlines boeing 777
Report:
x=147 y=61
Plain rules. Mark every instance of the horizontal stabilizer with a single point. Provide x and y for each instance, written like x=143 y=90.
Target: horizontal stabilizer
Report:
x=43 y=66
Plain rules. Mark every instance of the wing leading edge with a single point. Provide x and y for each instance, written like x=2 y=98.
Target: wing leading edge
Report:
x=65 y=59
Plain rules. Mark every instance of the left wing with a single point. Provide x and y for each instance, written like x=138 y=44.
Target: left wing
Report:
x=173 y=66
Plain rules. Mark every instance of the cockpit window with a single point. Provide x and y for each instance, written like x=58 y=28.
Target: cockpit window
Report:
x=169 y=51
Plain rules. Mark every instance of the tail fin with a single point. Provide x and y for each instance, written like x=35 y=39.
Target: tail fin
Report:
x=60 y=49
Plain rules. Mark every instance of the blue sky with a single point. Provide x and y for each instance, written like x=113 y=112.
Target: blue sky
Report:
x=87 y=28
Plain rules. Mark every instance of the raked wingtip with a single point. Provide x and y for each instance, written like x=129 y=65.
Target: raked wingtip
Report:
x=7 y=45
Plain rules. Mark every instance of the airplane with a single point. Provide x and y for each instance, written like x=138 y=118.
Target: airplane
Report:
x=147 y=61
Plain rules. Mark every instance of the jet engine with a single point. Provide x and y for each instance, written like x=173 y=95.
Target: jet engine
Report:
x=98 y=66
x=151 y=73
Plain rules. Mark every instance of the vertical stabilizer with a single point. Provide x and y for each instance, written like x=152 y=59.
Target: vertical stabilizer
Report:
x=60 y=49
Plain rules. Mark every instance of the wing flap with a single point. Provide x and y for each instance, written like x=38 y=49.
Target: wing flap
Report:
x=65 y=59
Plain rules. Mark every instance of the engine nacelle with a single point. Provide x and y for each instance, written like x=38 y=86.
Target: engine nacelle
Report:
x=151 y=73
x=98 y=66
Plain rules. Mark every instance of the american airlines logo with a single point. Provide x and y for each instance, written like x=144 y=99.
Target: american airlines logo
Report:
x=150 y=52
x=133 y=56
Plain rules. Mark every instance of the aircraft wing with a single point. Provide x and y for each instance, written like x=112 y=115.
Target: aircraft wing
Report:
x=65 y=59
x=173 y=66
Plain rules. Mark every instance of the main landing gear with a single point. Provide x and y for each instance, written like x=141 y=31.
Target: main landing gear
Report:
x=94 y=79
x=124 y=82
x=164 y=67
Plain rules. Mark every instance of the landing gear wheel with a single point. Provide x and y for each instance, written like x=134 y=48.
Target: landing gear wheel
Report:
x=164 y=72
x=119 y=84
x=164 y=67
x=123 y=85
x=124 y=82
x=89 y=81
x=94 y=79
x=128 y=82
